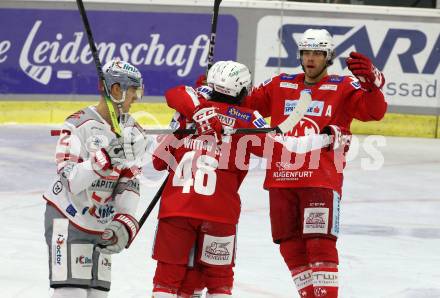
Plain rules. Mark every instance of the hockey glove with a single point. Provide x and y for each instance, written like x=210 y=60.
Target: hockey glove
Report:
x=116 y=150
x=340 y=137
x=201 y=80
x=207 y=121
x=362 y=68
x=102 y=165
x=118 y=234
x=136 y=147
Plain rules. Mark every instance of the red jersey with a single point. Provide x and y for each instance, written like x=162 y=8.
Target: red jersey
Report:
x=204 y=180
x=337 y=100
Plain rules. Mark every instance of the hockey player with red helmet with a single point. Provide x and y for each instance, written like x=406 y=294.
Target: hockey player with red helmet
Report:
x=305 y=200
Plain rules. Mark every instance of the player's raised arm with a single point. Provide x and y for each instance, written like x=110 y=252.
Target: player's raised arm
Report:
x=367 y=101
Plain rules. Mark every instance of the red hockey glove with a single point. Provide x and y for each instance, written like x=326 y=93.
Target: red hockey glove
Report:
x=362 y=68
x=340 y=137
x=201 y=80
x=207 y=121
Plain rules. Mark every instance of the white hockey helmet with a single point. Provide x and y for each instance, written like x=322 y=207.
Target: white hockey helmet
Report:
x=229 y=78
x=317 y=40
x=126 y=75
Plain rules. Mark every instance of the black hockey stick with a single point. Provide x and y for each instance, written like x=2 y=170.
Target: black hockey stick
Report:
x=156 y=198
x=213 y=33
x=153 y=202
x=104 y=90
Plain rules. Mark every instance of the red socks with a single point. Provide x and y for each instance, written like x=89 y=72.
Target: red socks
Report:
x=325 y=282
x=302 y=277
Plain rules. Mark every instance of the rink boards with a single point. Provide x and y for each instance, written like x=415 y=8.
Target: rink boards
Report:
x=46 y=65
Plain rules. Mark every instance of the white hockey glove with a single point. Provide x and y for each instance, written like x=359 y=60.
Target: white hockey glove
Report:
x=102 y=165
x=136 y=145
x=116 y=149
x=118 y=234
x=340 y=137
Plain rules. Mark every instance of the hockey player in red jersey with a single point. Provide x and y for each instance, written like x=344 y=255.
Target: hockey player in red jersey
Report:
x=304 y=200
x=200 y=204
x=304 y=207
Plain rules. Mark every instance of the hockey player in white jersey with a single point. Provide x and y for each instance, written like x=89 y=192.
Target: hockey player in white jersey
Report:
x=92 y=201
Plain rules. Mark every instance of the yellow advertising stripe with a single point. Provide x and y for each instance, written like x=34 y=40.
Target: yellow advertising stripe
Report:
x=159 y=114
x=55 y=112
x=400 y=125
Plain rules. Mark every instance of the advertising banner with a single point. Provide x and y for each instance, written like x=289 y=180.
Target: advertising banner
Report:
x=408 y=53
x=47 y=52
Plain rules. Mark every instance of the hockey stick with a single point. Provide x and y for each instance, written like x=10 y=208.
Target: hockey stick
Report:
x=213 y=33
x=104 y=90
x=153 y=202
x=284 y=127
x=210 y=63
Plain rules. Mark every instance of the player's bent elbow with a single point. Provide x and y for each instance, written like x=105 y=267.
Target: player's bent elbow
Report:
x=379 y=113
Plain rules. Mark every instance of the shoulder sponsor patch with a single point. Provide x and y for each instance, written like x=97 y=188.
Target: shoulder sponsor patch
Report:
x=288 y=85
x=328 y=87
x=267 y=82
x=83 y=116
x=355 y=83
x=237 y=114
x=205 y=91
x=259 y=121
x=76 y=115
x=336 y=79
x=287 y=77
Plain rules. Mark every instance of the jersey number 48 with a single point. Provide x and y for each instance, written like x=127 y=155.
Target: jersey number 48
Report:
x=205 y=177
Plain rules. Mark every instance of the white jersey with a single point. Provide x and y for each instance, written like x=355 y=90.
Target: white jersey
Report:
x=87 y=199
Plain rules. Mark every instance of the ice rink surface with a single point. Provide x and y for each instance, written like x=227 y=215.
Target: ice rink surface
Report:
x=390 y=224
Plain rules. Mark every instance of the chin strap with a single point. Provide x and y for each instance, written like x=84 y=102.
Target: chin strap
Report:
x=111 y=109
x=121 y=112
